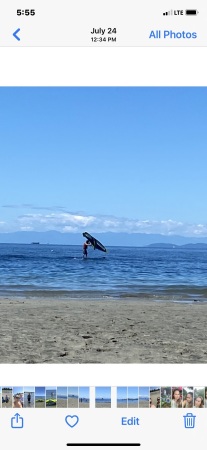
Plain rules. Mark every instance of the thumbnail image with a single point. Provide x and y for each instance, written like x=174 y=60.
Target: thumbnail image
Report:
x=51 y=397
x=103 y=231
x=166 y=393
x=121 y=397
x=7 y=397
x=29 y=395
x=39 y=397
x=103 y=397
x=18 y=397
x=205 y=400
x=133 y=397
x=84 y=397
x=72 y=397
x=144 y=398
x=0 y=396
x=199 y=394
x=187 y=397
x=62 y=395
x=176 y=401
x=155 y=395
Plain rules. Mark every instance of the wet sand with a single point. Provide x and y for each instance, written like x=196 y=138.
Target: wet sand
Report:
x=105 y=331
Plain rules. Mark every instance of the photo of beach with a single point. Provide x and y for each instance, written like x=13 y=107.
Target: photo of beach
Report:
x=103 y=397
x=144 y=399
x=7 y=399
x=121 y=397
x=62 y=397
x=133 y=397
x=103 y=231
x=73 y=399
x=51 y=397
x=29 y=397
x=84 y=397
x=40 y=397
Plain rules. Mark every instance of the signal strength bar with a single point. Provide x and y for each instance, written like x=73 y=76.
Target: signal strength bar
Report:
x=168 y=13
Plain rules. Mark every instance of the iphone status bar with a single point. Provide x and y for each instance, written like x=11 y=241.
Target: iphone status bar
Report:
x=102 y=24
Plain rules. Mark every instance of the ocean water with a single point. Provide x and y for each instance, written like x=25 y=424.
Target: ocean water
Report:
x=54 y=270
x=103 y=400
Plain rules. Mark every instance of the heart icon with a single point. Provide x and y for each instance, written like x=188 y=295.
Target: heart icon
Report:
x=72 y=420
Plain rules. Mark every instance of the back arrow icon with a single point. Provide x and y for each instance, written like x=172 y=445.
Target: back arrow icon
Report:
x=15 y=34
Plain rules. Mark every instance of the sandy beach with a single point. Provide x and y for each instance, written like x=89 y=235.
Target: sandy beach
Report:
x=84 y=404
x=41 y=330
x=132 y=404
x=102 y=405
x=40 y=404
x=62 y=403
x=122 y=404
x=72 y=402
x=143 y=403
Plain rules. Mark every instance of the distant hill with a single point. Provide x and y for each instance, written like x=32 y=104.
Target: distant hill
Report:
x=108 y=239
x=198 y=245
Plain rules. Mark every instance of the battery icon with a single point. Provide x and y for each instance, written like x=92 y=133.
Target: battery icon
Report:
x=191 y=12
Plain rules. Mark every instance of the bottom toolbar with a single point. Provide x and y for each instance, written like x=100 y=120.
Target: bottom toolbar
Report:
x=103 y=428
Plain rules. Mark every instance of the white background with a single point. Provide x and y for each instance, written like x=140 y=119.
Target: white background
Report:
x=103 y=66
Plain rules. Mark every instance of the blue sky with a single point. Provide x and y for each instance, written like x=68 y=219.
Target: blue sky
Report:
x=72 y=391
x=133 y=392
x=127 y=392
x=84 y=392
x=51 y=391
x=62 y=391
x=103 y=392
x=143 y=391
x=103 y=159
x=121 y=392
x=17 y=390
x=30 y=389
x=39 y=391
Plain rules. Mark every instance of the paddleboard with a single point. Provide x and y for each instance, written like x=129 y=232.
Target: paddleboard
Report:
x=96 y=244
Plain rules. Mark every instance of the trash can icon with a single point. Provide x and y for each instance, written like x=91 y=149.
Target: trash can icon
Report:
x=189 y=420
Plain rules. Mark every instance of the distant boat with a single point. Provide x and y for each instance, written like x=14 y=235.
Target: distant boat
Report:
x=34 y=243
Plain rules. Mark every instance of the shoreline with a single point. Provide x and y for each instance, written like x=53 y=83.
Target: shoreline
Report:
x=98 y=296
x=137 y=331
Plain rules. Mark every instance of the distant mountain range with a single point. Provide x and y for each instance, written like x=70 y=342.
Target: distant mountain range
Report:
x=108 y=239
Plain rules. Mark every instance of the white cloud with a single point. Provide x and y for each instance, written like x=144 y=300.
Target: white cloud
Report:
x=75 y=223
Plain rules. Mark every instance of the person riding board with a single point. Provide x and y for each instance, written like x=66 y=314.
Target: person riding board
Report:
x=85 y=248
